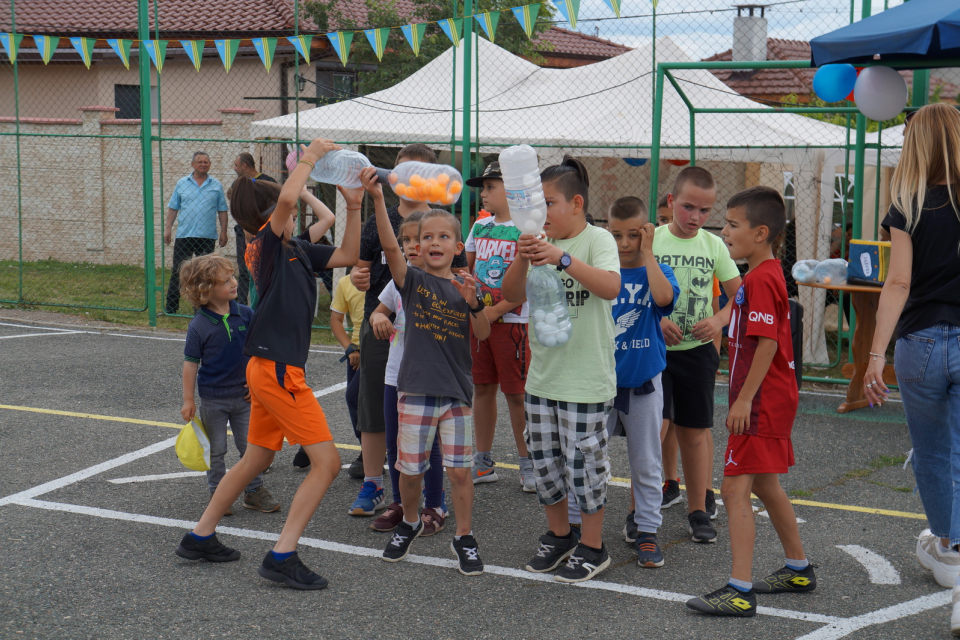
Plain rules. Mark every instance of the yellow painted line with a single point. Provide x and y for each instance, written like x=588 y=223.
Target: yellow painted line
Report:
x=354 y=447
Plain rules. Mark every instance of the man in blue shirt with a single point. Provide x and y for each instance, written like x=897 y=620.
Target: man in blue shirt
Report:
x=198 y=201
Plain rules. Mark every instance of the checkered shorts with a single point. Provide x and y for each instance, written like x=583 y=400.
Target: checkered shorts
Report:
x=568 y=448
x=421 y=419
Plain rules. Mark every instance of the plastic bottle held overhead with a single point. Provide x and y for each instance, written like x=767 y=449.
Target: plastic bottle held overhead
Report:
x=341 y=167
x=521 y=180
x=549 y=318
x=425 y=182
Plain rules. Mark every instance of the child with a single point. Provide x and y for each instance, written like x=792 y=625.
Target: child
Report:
x=763 y=405
x=215 y=340
x=647 y=294
x=664 y=211
x=689 y=379
x=278 y=341
x=435 y=509
x=434 y=387
x=570 y=389
x=503 y=358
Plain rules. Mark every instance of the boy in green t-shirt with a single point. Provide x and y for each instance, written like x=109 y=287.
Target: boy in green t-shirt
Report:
x=570 y=388
x=696 y=257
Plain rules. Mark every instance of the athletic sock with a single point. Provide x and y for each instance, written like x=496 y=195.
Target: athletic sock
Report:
x=797 y=565
x=377 y=480
x=486 y=456
x=412 y=525
x=280 y=557
x=201 y=538
x=458 y=537
x=740 y=585
x=522 y=459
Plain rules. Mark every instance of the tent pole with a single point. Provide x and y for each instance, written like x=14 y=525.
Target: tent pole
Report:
x=655 y=145
x=466 y=152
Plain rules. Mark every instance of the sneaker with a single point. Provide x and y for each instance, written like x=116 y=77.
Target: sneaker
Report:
x=700 y=527
x=583 y=564
x=210 y=549
x=552 y=552
x=955 y=614
x=431 y=522
x=389 y=519
x=649 y=554
x=712 y=508
x=468 y=555
x=356 y=468
x=291 y=572
x=369 y=500
x=787 y=580
x=944 y=563
x=671 y=493
x=483 y=470
x=726 y=602
x=527 y=480
x=301 y=461
x=630 y=528
x=260 y=500
x=399 y=545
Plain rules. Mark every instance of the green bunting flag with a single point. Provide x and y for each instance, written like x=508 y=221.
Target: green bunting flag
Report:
x=11 y=44
x=378 y=40
x=615 y=6
x=302 y=45
x=194 y=49
x=453 y=28
x=84 y=47
x=227 y=49
x=527 y=17
x=414 y=35
x=488 y=21
x=265 y=48
x=570 y=9
x=122 y=49
x=341 y=41
x=46 y=45
x=157 y=50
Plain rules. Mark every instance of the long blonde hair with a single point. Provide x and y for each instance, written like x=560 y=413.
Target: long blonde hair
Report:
x=930 y=156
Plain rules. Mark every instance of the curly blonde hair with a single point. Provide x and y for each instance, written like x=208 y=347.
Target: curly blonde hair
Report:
x=200 y=275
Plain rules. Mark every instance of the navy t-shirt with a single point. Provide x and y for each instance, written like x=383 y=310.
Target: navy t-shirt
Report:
x=216 y=343
x=641 y=351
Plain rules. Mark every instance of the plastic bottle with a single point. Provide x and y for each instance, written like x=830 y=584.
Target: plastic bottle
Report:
x=548 y=307
x=832 y=272
x=426 y=182
x=341 y=167
x=521 y=180
x=802 y=271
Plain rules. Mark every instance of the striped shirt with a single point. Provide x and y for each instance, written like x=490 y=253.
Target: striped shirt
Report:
x=198 y=205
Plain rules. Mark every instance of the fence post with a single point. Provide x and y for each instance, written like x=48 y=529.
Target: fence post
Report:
x=655 y=144
x=146 y=152
x=466 y=164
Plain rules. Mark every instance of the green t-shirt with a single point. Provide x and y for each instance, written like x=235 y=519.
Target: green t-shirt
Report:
x=583 y=369
x=695 y=262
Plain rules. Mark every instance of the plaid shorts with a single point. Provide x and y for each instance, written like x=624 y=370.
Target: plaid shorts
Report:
x=421 y=419
x=568 y=448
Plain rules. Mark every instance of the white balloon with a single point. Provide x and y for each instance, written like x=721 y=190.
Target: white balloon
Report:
x=562 y=337
x=880 y=93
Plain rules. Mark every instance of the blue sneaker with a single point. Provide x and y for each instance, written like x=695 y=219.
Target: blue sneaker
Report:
x=649 y=554
x=369 y=500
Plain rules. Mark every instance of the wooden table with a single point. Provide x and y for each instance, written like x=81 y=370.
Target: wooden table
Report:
x=865 y=302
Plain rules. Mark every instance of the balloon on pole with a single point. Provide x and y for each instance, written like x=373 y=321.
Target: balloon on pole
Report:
x=834 y=82
x=881 y=93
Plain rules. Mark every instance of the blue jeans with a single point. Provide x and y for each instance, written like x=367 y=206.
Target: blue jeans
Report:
x=928 y=373
x=214 y=413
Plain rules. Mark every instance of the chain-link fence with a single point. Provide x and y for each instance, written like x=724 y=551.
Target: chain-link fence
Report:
x=230 y=81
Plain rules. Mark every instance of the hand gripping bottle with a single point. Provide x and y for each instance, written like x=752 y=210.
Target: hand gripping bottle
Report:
x=341 y=167
x=521 y=180
x=548 y=307
x=424 y=182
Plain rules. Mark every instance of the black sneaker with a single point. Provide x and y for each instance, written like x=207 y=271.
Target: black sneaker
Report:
x=301 y=461
x=468 y=554
x=700 y=527
x=399 y=545
x=583 y=564
x=712 y=509
x=291 y=572
x=552 y=552
x=649 y=554
x=210 y=549
x=787 y=580
x=356 y=468
x=630 y=528
x=671 y=493
x=726 y=602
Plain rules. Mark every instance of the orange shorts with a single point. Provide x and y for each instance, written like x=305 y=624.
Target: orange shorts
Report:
x=755 y=454
x=282 y=406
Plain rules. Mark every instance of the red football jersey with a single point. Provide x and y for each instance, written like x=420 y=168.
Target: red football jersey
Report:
x=761 y=310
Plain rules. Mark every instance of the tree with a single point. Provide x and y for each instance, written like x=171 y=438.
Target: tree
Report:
x=399 y=61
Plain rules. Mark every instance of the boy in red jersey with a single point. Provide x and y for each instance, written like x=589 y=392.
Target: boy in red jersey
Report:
x=763 y=405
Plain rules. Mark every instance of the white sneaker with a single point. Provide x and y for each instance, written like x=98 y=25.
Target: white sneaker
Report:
x=944 y=563
x=527 y=480
x=955 y=616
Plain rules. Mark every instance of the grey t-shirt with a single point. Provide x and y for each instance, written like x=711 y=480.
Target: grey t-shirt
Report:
x=436 y=356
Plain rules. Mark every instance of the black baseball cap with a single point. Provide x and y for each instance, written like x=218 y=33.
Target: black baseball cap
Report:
x=492 y=172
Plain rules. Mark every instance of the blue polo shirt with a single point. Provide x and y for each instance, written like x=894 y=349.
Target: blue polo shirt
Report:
x=641 y=351
x=198 y=205
x=216 y=342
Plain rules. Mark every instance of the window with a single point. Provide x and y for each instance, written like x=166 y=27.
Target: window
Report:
x=335 y=86
x=126 y=97
x=789 y=194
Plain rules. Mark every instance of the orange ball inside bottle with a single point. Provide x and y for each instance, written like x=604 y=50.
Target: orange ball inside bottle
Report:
x=455 y=187
x=400 y=189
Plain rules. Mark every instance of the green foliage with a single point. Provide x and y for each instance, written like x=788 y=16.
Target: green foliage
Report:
x=399 y=61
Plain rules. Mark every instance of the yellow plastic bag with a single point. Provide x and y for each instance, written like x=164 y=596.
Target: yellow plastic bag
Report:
x=193 y=446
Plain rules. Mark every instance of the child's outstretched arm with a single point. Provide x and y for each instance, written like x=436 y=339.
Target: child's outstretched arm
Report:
x=189 y=408
x=348 y=253
x=325 y=217
x=290 y=193
x=709 y=328
x=601 y=283
x=478 y=321
x=738 y=419
x=391 y=248
x=660 y=287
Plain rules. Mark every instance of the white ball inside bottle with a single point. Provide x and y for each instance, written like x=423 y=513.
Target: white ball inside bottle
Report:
x=561 y=337
x=548 y=340
x=550 y=318
x=530 y=227
x=538 y=315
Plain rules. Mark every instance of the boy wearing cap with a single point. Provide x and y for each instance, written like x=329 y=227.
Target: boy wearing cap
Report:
x=503 y=358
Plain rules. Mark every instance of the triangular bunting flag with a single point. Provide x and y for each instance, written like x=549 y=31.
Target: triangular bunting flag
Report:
x=615 y=6
x=527 y=17
x=84 y=47
x=265 y=48
x=570 y=10
x=414 y=35
x=489 y=22
x=228 y=51
x=341 y=41
x=194 y=49
x=157 y=50
x=453 y=28
x=122 y=49
x=46 y=45
x=302 y=45
x=378 y=40
x=11 y=44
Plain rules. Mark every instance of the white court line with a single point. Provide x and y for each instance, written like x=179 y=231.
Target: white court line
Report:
x=878 y=568
x=817 y=393
x=130 y=335
x=158 y=476
x=330 y=389
x=33 y=335
x=847 y=626
x=322 y=351
x=30 y=326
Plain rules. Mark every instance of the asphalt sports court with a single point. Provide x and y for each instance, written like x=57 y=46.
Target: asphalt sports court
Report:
x=94 y=501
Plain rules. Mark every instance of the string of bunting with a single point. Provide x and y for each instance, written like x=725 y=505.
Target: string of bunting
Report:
x=414 y=34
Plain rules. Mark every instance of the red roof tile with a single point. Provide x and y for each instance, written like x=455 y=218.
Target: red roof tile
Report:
x=576 y=44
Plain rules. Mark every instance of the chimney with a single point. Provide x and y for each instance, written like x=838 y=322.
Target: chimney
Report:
x=750 y=33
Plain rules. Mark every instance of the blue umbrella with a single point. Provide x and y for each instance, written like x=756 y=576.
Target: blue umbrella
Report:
x=912 y=31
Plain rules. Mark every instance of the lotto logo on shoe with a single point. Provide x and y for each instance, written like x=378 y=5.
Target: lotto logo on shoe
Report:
x=759 y=316
x=800 y=581
x=740 y=603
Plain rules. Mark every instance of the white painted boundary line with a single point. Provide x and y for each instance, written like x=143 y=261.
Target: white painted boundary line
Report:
x=902 y=610
x=158 y=476
x=331 y=389
x=45 y=335
x=878 y=568
x=30 y=326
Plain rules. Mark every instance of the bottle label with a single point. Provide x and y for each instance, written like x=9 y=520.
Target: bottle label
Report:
x=520 y=198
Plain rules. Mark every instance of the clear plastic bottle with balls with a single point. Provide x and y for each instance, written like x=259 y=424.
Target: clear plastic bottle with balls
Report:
x=831 y=272
x=549 y=318
x=425 y=182
x=520 y=169
x=341 y=167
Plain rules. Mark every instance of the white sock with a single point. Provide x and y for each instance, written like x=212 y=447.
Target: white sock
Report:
x=471 y=533
x=413 y=525
x=377 y=480
x=740 y=585
x=797 y=565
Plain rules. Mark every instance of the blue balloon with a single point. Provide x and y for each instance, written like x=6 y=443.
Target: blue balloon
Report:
x=834 y=82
